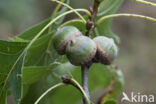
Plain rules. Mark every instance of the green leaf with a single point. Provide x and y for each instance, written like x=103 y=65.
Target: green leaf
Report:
x=38 y=50
x=99 y=76
x=110 y=101
x=3 y=99
x=17 y=39
x=32 y=74
x=15 y=79
x=118 y=85
x=107 y=7
x=66 y=95
x=35 y=90
x=25 y=89
x=11 y=62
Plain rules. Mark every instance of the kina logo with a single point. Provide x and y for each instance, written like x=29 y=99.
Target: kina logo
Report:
x=137 y=97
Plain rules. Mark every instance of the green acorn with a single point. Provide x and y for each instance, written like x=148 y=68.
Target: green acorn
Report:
x=106 y=50
x=63 y=36
x=81 y=50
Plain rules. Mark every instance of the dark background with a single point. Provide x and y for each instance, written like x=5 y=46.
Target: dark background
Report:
x=137 y=55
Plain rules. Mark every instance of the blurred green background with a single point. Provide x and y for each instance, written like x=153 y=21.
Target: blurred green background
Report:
x=137 y=55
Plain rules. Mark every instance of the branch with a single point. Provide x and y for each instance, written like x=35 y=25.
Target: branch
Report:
x=84 y=70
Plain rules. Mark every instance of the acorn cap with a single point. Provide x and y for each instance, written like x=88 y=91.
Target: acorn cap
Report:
x=81 y=50
x=106 y=50
x=63 y=36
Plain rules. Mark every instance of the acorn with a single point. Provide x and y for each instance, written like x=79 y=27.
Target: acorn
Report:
x=106 y=50
x=81 y=50
x=63 y=36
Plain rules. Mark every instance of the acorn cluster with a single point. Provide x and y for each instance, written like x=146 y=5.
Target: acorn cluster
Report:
x=81 y=49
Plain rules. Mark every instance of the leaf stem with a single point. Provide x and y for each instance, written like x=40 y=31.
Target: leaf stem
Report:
x=56 y=9
x=71 y=9
x=46 y=92
x=146 y=2
x=125 y=15
x=54 y=13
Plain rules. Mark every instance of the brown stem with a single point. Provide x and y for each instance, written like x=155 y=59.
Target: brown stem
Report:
x=91 y=21
x=67 y=80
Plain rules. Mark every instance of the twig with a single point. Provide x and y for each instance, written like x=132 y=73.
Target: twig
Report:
x=91 y=21
x=67 y=80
